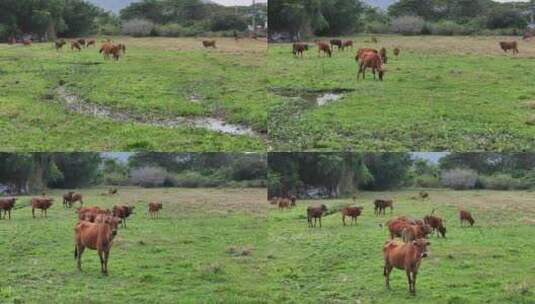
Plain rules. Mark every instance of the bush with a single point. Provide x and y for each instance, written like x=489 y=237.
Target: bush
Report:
x=503 y=182
x=408 y=25
x=171 y=30
x=428 y=181
x=377 y=27
x=138 y=28
x=449 y=28
x=109 y=29
x=459 y=179
x=148 y=177
x=115 y=179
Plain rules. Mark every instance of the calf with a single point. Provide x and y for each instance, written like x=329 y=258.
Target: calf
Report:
x=437 y=224
x=315 y=213
x=347 y=44
x=299 y=48
x=465 y=216
x=6 y=204
x=75 y=46
x=380 y=206
x=154 y=209
x=59 y=44
x=96 y=236
x=72 y=197
x=123 y=212
x=209 y=43
x=382 y=53
x=352 y=212
x=284 y=203
x=509 y=45
x=336 y=42
x=396 y=52
x=293 y=200
x=81 y=42
x=373 y=61
x=404 y=256
x=91 y=42
x=323 y=47
x=41 y=203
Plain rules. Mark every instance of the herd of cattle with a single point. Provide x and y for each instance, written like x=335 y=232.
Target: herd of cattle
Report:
x=96 y=227
x=408 y=236
x=370 y=58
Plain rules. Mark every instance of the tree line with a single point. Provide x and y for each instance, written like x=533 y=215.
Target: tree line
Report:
x=47 y=20
x=301 y=18
x=26 y=173
x=343 y=174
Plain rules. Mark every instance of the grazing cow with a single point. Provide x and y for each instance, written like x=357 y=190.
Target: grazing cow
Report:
x=72 y=197
x=382 y=53
x=284 y=203
x=512 y=45
x=363 y=51
x=437 y=224
x=380 y=206
x=81 y=42
x=407 y=228
x=90 y=213
x=154 y=209
x=352 y=212
x=75 y=46
x=423 y=195
x=293 y=200
x=315 y=213
x=404 y=256
x=336 y=42
x=347 y=44
x=41 y=203
x=6 y=204
x=323 y=47
x=123 y=212
x=96 y=236
x=91 y=42
x=466 y=216
x=415 y=231
x=396 y=52
x=299 y=48
x=373 y=61
x=59 y=44
x=209 y=43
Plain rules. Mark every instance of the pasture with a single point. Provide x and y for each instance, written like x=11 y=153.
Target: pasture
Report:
x=489 y=263
x=441 y=93
x=205 y=245
x=164 y=94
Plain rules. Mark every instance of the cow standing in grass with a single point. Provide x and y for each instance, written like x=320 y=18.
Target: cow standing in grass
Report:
x=336 y=42
x=381 y=204
x=396 y=52
x=123 y=212
x=293 y=200
x=154 y=209
x=59 y=44
x=75 y=46
x=72 y=197
x=41 y=203
x=323 y=47
x=6 y=204
x=404 y=256
x=284 y=204
x=466 y=216
x=299 y=49
x=315 y=213
x=347 y=44
x=509 y=45
x=209 y=43
x=437 y=224
x=352 y=212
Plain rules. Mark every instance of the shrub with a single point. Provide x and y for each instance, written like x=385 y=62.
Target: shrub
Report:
x=376 y=27
x=138 y=28
x=148 y=176
x=428 y=181
x=109 y=29
x=170 y=30
x=503 y=182
x=459 y=179
x=450 y=28
x=115 y=179
x=408 y=25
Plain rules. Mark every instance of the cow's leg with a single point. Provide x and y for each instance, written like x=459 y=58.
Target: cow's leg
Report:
x=344 y=219
x=414 y=282
x=320 y=221
x=410 y=280
x=106 y=258
x=101 y=256
x=33 y=212
x=79 y=250
x=386 y=273
x=9 y=214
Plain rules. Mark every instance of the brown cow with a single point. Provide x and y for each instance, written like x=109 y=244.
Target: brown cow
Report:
x=27 y=42
x=352 y=212
x=346 y=44
x=415 y=231
x=437 y=224
x=81 y=42
x=75 y=45
x=284 y=203
x=466 y=216
x=90 y=213
x=509 y=45
x=315 y=213
x=396 y=52
x=209 y=43
x=299 y=48
x=404 y=256
x=336 y=42
x=112 y=191
x=6 y=204
x=41 y=203
x=382 y=53
x=123 y=212
x=407 y=228
x=293 y=200
x=423 y=195
x=96 y=236
x=72 y=197
x=373 y=61
x=362 y=51
x=154 y=209
x=323 y=47
x=381 y=204
x=59 y=44
x=527 y=35
x=91 y=42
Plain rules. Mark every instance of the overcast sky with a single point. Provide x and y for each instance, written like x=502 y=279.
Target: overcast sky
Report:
x=238 y=2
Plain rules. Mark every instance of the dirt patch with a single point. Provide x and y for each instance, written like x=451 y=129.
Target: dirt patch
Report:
x=314 y=97
x=73 y=103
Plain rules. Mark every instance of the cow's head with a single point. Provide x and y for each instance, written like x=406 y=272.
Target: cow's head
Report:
x=323 y=208
x=442 y=231
x=421 y=247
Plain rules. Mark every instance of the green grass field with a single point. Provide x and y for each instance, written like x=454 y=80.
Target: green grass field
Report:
x=442 y=93
x=156 y=81
x=229 y=246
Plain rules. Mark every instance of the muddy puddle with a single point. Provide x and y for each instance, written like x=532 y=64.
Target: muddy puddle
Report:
x=314 y=97
x=74 y=103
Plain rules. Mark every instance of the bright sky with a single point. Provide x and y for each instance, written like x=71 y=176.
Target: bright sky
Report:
x=237 y=2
